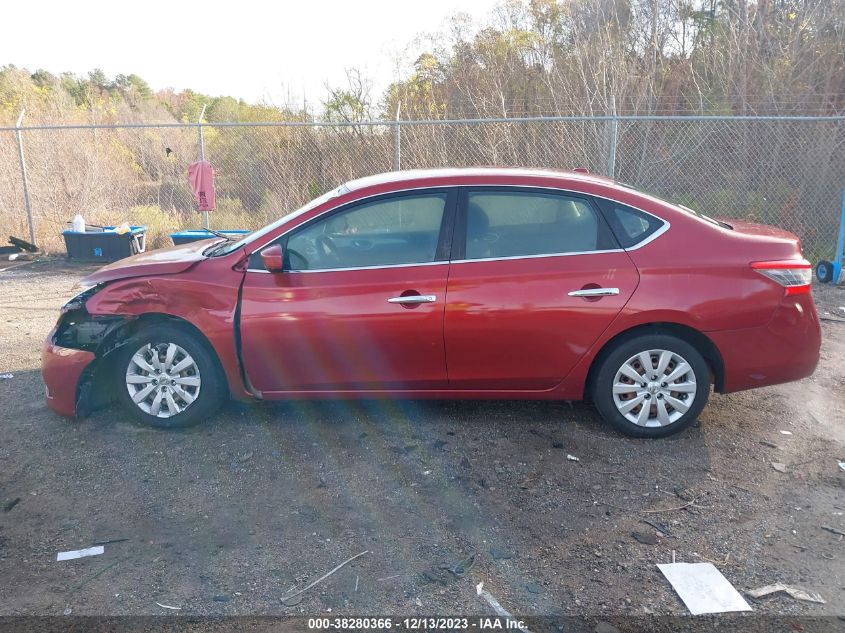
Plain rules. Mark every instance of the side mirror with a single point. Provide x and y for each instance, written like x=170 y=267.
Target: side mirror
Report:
x=273 y=258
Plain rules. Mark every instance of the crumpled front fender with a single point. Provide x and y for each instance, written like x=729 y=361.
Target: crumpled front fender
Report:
x=208 y=306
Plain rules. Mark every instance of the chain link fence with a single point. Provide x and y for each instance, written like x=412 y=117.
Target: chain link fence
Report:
x=785 y=171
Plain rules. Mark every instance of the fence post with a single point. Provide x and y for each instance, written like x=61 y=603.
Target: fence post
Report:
x=611 y=150
x=840 y=246
x=26 y=200
x=201 y=144
x=397 y=141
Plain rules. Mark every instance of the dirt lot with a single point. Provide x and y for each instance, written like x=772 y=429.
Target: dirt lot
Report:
x=229 y=517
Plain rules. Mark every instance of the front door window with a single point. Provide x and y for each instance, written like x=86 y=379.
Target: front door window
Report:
x=387 y=232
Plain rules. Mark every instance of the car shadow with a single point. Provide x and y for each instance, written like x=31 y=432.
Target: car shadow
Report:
x=556 y=417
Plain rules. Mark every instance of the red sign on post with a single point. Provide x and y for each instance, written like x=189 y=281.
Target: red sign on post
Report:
x=201 y=177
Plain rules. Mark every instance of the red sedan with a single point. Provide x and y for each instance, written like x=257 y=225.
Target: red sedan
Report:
x=477 y=283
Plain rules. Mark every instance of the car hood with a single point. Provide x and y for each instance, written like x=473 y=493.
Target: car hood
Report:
x=163 y=261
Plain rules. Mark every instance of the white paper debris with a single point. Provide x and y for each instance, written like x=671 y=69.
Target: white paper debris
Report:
x=572 y=458
x=786 y=432
x=795 y=592
x=703 y=588
x=80 y=553
x=842 y=466
x=498 y=608
x=167 y=606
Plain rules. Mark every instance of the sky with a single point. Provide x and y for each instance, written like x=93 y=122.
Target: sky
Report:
x=279 y=52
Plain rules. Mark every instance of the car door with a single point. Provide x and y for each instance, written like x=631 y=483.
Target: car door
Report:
x=360 y=303
x=536 y=276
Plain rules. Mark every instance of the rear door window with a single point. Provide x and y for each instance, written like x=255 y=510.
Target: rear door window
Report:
x=503 y=224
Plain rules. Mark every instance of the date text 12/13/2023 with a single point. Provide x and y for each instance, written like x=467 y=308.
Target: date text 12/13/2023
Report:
x=416 y=623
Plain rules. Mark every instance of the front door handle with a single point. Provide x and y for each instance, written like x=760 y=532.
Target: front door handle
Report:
x=594 y=292
x=413 y=299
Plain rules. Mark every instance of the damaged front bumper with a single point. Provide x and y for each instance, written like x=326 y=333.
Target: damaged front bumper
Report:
x=71 y=355
x=61 y=368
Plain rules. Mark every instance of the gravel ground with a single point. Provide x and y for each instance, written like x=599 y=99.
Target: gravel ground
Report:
x=229 y=517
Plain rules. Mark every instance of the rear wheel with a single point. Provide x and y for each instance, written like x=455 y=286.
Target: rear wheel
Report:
x=168 y=377
x=652 y=385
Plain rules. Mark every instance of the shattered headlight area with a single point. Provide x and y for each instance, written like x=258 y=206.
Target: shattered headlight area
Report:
x=78 y=301
x=77 y=329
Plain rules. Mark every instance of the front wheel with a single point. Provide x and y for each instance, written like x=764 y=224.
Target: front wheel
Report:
x=168 y=377
x=652 y=386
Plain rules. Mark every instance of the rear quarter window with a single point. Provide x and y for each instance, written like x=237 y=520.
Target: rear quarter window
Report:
x=630 y=226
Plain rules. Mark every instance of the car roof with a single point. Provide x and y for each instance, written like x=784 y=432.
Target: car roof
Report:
x=473 y=174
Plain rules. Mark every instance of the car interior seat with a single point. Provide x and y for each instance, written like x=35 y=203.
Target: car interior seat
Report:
x=478 y=227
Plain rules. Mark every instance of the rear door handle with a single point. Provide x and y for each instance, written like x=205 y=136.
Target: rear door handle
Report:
x=411 y=299
x=594 y=292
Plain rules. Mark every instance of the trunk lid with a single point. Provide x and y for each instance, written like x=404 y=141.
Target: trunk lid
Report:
x=764 y=232
x=763 y=242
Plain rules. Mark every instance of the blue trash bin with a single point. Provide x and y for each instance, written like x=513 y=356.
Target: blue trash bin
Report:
x=104 y=244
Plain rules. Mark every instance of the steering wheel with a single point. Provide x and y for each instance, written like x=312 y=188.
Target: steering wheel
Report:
x=292 y=254
x=328 y=248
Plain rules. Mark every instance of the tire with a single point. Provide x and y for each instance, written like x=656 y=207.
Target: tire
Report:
x=824 y=271
x=195 y=390
x=615 y=373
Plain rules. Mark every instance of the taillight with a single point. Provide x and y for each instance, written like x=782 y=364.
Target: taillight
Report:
x=794 y=275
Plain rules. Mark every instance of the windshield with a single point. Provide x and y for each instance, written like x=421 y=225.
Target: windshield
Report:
x=224 y=248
